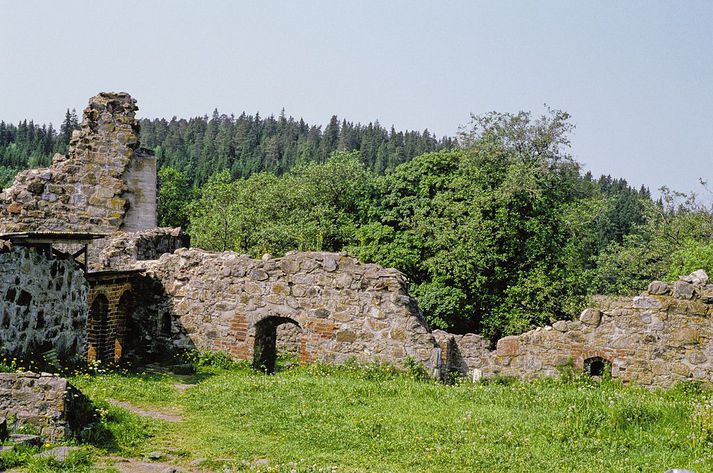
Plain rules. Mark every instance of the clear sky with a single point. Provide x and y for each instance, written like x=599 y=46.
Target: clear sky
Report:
x=637 y=76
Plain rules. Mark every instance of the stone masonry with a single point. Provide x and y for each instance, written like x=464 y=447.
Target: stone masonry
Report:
x=344 y=309
x=46 y=403
x=85 y=191
x=43 y=303
x=124 y=249
x=658 y=338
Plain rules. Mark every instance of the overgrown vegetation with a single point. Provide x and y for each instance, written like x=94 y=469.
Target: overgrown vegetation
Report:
x=372 y=418
x=498 y=231
x=497 y=236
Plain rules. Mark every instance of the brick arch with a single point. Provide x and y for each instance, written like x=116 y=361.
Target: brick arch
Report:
x=108 y=341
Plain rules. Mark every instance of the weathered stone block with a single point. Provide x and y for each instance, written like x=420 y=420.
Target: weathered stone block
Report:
x=591 y=317
x=683 y=290
x=508 y=346
x=658 y=288
x=644 y=302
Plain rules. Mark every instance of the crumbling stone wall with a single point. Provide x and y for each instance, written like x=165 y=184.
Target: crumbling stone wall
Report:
x=85 y=191
x=46 y=403
x=345 y=309
x=43 y=303
x=660 y=337
x=124 y=249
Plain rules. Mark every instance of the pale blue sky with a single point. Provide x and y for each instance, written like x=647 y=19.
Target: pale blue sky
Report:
x=637 y=76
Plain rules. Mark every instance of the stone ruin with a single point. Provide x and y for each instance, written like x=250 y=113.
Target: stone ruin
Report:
x=658 y=338
x=337 y=307
x=51 y=406
x=134 y=292
x=106 y=183
x=83 y=270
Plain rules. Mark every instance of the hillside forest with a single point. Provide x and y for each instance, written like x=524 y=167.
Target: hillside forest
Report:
x=497 y=229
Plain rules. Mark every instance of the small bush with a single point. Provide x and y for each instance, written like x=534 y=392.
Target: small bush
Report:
x=416 y=370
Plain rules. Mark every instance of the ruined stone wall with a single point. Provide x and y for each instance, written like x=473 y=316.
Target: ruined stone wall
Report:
x=344 y=309
x=123 y=250
x=84 y=191
x=141 y=185
x=661 y=337
x=43 y=303
x=46 y=403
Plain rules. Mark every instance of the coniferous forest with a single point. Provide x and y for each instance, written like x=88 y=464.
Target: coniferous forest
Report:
x=498 y=229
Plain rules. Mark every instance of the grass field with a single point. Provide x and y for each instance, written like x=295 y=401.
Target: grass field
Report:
x=350 y=418
x=321 y=418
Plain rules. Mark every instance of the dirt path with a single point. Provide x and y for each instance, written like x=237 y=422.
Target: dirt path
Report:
x=132 y=465
x=145 y=412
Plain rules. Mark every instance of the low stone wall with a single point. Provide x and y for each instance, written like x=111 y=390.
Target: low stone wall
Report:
x=124 y=249
x=45 y=403
x=43 y=304
x=228 y=302
x=658 y=338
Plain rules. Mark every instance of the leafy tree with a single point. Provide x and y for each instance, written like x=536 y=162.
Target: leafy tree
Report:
x=174 y=196
x=676 y=231
x=212 y=218
x=693 y=255
x=479 y=231
x=313 y=207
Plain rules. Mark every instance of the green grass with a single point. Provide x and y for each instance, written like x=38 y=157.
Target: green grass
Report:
x=370 y=419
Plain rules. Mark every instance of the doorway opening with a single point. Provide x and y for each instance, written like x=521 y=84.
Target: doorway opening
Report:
x=98 y=330
x=268 y=340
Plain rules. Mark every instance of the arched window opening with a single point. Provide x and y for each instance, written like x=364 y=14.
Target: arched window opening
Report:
x=266 y=341
x=596 y=366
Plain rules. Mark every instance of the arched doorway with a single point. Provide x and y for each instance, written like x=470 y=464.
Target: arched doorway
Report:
x=122 y=339
x=98 y=330
x=266 y=341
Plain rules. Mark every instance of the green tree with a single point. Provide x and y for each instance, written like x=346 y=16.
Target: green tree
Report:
x=174 y=196
x=480 y=231
x=313 y=207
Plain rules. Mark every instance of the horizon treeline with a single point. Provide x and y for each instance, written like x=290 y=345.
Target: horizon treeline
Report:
x=202 y=146
x=29 y=145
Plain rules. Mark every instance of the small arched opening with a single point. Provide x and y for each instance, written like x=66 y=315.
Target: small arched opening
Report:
x=98 y=329
x=268 y=340
x=596 y=366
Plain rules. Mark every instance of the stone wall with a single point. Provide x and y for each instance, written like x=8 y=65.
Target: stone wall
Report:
x=123 y=250
x=658 y=338
x=43 y=303
x=85 y=191
x=227 y=302
x=46 y=403
x=141 y=185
